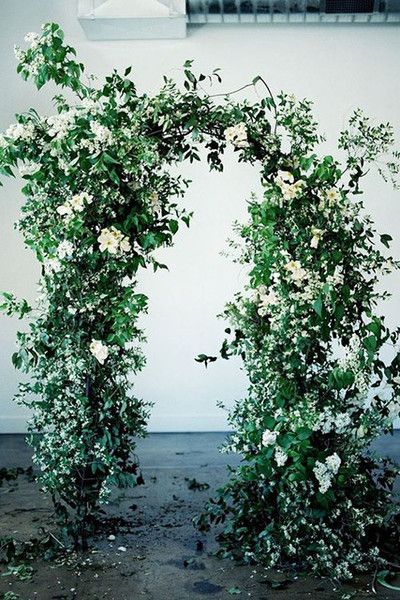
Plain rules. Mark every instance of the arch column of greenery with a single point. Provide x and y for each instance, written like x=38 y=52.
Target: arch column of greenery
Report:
x=100 y=199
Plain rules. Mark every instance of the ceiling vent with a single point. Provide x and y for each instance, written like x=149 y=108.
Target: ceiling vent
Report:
x=141 y=19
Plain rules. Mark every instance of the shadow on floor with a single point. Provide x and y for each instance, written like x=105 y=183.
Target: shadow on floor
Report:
x=164 y=557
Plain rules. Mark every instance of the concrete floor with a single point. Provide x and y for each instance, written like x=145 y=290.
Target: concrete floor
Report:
x=163 y=558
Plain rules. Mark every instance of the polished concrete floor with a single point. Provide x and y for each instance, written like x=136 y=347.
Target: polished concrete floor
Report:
x=165 y=558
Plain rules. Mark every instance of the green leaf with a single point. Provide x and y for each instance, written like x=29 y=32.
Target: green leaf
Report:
x=203 y=358
x=173 y=226
x=385 y=239
x=318 y=306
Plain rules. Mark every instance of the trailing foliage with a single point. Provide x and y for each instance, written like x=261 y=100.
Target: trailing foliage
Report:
x=323 y=366
x=100 y=199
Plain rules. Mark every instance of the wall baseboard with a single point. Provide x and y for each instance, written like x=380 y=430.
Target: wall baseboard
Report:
x=171 y=422
x=158 y=423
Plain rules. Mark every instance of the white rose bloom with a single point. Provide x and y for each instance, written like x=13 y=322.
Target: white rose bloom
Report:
x=99 y=351
x=269 y=437
x=65 y=249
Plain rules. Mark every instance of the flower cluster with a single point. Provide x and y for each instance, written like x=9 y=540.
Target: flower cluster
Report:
x=325 y=471
x=237 y=135
x=74 y=204
x=113 y=241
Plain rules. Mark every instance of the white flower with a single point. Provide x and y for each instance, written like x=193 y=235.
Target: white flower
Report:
x=316 y=236
x=29 y=169
x=266 y=300
x=112 y=240
x=32 y=38
x=3 y=142
x=155 y=202
x=124 y=244
x=127 y=282
x=284 y=177
x=280 y=456
x=269 y=437
x=289 y=189
x=59 y=125
x=19 y=53
x=65 y=249
x=20 y=131
x=52 y=265
x=109 y=240
x=77 y=203
x=99 y=351
x=296 y=271
x=325 y=471
x=102 y=134
x=333 y=463
x=64 y=210
x=74 y=204
x=237 y=135
x=332 y=195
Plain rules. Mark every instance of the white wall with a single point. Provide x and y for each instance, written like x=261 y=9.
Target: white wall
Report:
x=341 y=67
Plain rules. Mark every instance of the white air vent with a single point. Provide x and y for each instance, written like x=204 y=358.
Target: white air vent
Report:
x=293 y=11
x=140 y=19
x=133 y=19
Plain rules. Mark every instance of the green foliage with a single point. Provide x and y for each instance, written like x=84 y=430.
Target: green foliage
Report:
x=101 y=198
x=308 y=492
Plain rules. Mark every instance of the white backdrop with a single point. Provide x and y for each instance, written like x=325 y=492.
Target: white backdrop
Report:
x=341 y=67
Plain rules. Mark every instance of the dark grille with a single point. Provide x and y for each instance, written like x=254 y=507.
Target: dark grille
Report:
x=203 y=11
x=349 y=6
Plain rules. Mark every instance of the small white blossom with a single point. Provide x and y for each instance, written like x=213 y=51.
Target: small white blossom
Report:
x=65 y=249
x=280 y=456
x=237 y=135
x=296 y=271
x=269 y=437
x=99 y=351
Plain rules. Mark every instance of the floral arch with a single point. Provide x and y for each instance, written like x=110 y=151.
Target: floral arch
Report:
x=100 y=198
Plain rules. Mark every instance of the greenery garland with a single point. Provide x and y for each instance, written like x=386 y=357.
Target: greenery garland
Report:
x=100 y=198
x=323 y=366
